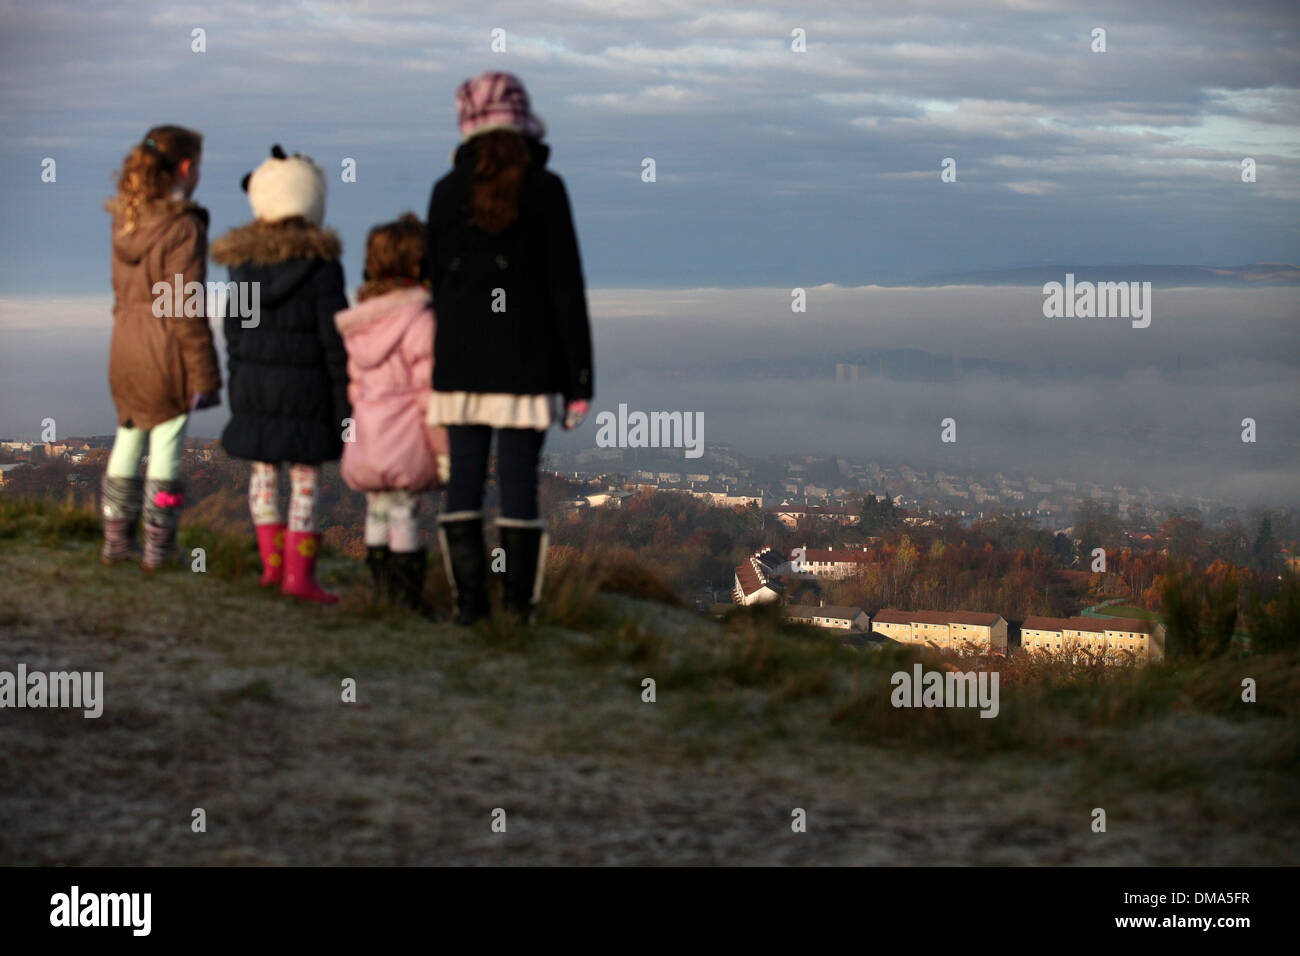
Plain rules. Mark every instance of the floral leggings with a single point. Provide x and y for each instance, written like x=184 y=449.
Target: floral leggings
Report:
x=264 y=495
x=391 y=520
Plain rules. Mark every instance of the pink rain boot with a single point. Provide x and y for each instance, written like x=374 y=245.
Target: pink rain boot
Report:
x=300 y=549
x=270 y=545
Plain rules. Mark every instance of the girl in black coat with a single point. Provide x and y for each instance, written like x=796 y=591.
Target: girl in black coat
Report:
x=288 y=367
x=513 y=338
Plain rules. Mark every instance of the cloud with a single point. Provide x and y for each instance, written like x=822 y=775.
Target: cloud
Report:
x=1033 y=187
x=770 y=162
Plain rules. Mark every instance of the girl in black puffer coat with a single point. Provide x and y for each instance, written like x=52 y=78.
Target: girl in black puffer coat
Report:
x=513 y=338
x=288 y=367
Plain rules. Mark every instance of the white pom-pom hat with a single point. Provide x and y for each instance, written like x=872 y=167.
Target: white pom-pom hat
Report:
x=284 y=186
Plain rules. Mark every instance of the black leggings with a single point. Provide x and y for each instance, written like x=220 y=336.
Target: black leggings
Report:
x=518 y=451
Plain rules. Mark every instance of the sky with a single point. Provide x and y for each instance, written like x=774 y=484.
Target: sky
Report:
x=775 y=169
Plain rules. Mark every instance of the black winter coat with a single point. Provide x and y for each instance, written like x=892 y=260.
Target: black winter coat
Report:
x=288 y=374
x=541 y=342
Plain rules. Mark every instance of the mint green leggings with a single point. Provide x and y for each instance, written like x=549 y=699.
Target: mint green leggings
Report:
x=166 y=443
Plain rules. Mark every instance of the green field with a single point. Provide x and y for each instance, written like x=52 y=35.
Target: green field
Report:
x=1127 y=610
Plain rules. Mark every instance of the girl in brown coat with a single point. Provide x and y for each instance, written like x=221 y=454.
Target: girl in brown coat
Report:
x=162 y=364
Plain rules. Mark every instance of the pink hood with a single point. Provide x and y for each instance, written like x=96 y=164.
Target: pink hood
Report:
x=373 y=329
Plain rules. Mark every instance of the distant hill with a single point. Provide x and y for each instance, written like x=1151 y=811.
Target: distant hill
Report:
x=897 y=364
x=1258 y=273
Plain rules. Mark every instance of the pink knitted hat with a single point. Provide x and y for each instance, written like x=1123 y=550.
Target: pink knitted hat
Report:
x=495 y=101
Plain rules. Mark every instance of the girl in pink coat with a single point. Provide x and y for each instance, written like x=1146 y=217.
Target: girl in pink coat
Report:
x=391 y=454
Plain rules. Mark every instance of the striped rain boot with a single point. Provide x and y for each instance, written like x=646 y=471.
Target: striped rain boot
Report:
x=120 y=505
x=162 y=513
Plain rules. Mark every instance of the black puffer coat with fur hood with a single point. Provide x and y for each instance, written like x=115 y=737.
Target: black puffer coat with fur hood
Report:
x=288 y=377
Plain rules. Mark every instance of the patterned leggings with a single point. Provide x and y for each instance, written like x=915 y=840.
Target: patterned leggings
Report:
x=264 y=495
x=391 y=520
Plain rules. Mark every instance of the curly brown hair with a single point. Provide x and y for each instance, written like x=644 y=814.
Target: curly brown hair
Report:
x=151 y=168
x=502 y=158
x=394 y=251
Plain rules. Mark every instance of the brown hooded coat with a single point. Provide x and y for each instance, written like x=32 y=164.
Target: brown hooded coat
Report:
x=157 y=364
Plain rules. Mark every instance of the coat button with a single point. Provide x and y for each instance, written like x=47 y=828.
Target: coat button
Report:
x=501 y=262
x=454 y=264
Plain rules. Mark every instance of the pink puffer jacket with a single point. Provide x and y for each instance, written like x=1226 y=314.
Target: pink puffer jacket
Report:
x=390 y=377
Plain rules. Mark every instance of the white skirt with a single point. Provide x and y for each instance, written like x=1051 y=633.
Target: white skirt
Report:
x=497 y=409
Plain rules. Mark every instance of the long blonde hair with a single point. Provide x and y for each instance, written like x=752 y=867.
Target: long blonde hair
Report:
x=150 y=170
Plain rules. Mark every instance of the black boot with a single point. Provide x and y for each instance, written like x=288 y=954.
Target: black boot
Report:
x=524 y=543
x=461 y=537
x=379 y=561
x=408 y=569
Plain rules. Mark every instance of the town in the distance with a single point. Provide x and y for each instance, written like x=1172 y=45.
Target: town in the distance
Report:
x=970 y=564
x=831 y=499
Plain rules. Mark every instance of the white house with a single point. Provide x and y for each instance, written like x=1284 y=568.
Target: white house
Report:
x=612 y=498
x=723 y=499
x=809 y=562
x=839 y=617
x=758 y=579
x=790 y=515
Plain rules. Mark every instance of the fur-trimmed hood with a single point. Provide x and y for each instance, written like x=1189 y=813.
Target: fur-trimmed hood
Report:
x=263 y=244
x=372 y=329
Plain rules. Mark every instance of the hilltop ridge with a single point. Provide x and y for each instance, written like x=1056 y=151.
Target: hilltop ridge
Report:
x=222 y=696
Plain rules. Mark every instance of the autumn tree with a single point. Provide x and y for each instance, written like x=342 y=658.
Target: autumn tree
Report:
x=1264 y=558
x=879 y=515
x=1200 y=609
x=1181 y=610
x=1275 y=623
